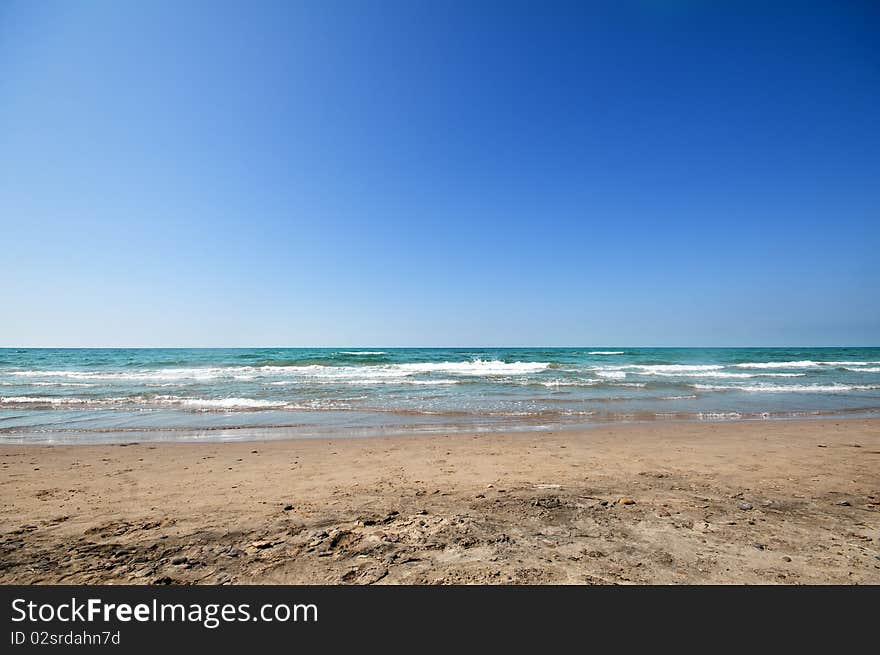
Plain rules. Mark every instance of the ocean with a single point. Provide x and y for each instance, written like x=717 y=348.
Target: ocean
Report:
x=124 y=395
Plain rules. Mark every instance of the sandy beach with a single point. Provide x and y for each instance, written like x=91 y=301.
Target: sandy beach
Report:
x=765 y=502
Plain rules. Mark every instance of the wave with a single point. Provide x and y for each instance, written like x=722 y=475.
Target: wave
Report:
x=51 y=400
x=365 y=381
x=606 y=352
x=224 y=403
x=796 y=364
x=806 y=363
x=865 y=369
x=220 y=403
x=790 y=388
x=46 y=384
x=234 y=372
x=362 y=352
x=657 y=369
x=474 y=367
x=725 y=374
x=614 y=375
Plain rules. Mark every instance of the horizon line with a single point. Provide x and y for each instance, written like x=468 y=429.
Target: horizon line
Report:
x=470 y=347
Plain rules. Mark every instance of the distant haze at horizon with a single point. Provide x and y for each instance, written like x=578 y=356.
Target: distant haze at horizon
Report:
x=403 y=174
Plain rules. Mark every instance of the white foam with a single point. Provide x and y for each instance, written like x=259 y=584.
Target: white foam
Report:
x=791 y=388
x=475 y=367
x=725 y=374
x=659 y=369
x=605 y=352
x=53 y=400
x=613 y=375
x=865 y=369
x=362 y=352
x=222 y=403
x=558 y=382
x=46 y=384
x=365 y=381
x=719 y=416
x=806 y=363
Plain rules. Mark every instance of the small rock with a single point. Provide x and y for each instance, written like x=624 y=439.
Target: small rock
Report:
x=287 y=508
x=626 y=501
x=821 y=445
x=745 y=506
x=180 y=559
x=843 y=503
x=758 y=546
x=786 y=559
x=261 y=545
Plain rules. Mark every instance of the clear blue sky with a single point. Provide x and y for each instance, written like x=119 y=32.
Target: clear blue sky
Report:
x=443 y=173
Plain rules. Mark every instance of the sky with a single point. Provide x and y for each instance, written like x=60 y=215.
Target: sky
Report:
x=442 y=173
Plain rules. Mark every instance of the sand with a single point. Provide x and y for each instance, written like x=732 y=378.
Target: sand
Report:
x=742 y=502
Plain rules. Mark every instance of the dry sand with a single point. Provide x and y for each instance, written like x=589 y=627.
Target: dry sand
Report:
x=746 y=502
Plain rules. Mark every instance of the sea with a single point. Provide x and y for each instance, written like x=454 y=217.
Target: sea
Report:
x=135 y=395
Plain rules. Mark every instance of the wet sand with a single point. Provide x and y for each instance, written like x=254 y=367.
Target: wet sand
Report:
x=742 y=502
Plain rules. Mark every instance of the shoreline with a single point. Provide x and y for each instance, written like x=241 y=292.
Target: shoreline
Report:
x=296 y=432
x=765 y=501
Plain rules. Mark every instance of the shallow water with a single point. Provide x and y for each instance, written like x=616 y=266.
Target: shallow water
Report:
x=61 y=395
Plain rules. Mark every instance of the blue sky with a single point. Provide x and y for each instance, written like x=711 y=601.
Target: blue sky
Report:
x=443 y=173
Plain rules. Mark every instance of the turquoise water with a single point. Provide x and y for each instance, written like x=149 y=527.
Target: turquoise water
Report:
x=93 y=395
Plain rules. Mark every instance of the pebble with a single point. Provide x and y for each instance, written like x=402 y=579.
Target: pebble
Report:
x=626 y=501
x=745 y=506
x=260 y=545
x=287 y=508
x=180 y=559
x=843 y=503
x=786 y=559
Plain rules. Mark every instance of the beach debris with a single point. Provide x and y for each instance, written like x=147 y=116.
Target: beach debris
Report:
x=744 y=506
x=551 y=502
